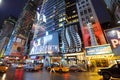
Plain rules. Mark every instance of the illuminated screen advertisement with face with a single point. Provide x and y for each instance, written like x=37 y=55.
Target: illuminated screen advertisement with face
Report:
x=47 y=44
x=113 y=37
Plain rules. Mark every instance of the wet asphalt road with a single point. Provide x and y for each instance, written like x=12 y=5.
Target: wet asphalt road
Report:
x=20 y=74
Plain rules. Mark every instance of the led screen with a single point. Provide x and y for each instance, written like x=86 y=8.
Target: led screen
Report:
x=92 y=33
x=47 y=44
x=96 y=50
x=113 y=37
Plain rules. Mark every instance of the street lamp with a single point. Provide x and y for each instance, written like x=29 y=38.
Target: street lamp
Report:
x=0 y=1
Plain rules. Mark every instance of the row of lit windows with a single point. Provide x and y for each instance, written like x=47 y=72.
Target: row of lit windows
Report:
x=72 y=16
x=70 y=5
x=61 y=24
x=73 y=21
x=61 y=19
x=62 y=14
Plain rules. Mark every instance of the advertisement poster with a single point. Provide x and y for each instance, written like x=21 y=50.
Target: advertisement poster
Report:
x=113 y=38
x=17 y=49
x=97 y=31
x=47 y=44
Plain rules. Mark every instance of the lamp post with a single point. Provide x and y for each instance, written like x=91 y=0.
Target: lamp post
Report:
x=0 y=2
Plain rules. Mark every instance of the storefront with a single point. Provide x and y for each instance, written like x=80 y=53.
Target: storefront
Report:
x=100 y=60
x=99 y=56
x=74 y=58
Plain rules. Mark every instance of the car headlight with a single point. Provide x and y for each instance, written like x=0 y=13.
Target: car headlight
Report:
x=6 y=67
x=99 y=70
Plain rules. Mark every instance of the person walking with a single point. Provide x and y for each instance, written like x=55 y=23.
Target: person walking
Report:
x=52 y=70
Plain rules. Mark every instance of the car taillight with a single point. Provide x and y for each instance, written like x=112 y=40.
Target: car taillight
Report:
x=6 y=67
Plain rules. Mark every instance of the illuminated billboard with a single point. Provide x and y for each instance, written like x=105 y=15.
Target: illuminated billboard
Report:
x=17 y=49
x=47 y=44
x=98 y=50
x=96 y=30
x=113 y=37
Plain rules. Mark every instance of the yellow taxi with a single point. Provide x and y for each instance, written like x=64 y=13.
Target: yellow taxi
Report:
x=61 y=68
x=3 y=68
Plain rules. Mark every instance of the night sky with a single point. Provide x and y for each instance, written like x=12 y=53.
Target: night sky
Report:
x=11 y=8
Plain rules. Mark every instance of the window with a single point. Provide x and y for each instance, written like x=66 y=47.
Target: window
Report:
x=85 y=11
x=82 y=2
x=87 y=17
x=87 y=4
x=83 y=19
x=79 y=7
x=89 y=10
x=81 y=13
x=83 y=6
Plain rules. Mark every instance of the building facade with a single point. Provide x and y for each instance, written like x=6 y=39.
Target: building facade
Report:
x=93 y=19
x=16 y=45
x=5 y=33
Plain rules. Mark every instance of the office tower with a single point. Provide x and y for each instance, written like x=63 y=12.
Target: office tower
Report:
x=113 y=7
x=89 y=12
x=22 y=27
x=6 y=32
x=51 y=17
x=70 y=36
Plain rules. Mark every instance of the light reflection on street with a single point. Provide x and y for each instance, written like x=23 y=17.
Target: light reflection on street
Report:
x=4 y=76
x=18 y=74
x=66 y=76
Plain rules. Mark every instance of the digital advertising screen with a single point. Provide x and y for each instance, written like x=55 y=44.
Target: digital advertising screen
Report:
x=98 y=50
x=96 y=30
x=47 y=44
x=113 y=38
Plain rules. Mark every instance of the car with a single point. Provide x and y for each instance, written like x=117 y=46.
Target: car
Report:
x=32 y=67
x=3 y=68
x=59 y=68
x=111 y=71
x=76 y=68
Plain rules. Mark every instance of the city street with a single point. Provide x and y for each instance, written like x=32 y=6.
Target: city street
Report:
x=20 y=74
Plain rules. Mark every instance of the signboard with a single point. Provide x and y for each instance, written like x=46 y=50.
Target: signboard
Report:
x=47 y=44
x=113 y=38
x=17 y=49
x=97 y=50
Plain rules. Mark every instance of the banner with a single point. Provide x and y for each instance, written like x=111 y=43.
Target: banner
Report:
x=113 y=38
x=96 y=30
x=97 y=50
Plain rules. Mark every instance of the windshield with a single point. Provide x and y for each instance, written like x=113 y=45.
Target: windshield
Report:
x=111 y=65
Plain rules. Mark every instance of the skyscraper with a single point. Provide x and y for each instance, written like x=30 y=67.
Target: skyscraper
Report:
x=88 y=12
x=71 y=34
x=22 y=27
x=6 y=32
x=113 y=7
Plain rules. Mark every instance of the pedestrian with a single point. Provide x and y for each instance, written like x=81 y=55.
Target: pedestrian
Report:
x=52 y=70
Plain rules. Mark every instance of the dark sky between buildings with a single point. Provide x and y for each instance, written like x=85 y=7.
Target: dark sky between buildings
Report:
x=11 y=8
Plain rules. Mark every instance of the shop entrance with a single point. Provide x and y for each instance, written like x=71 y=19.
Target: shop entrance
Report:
x=100 y=62
x=72 y=60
